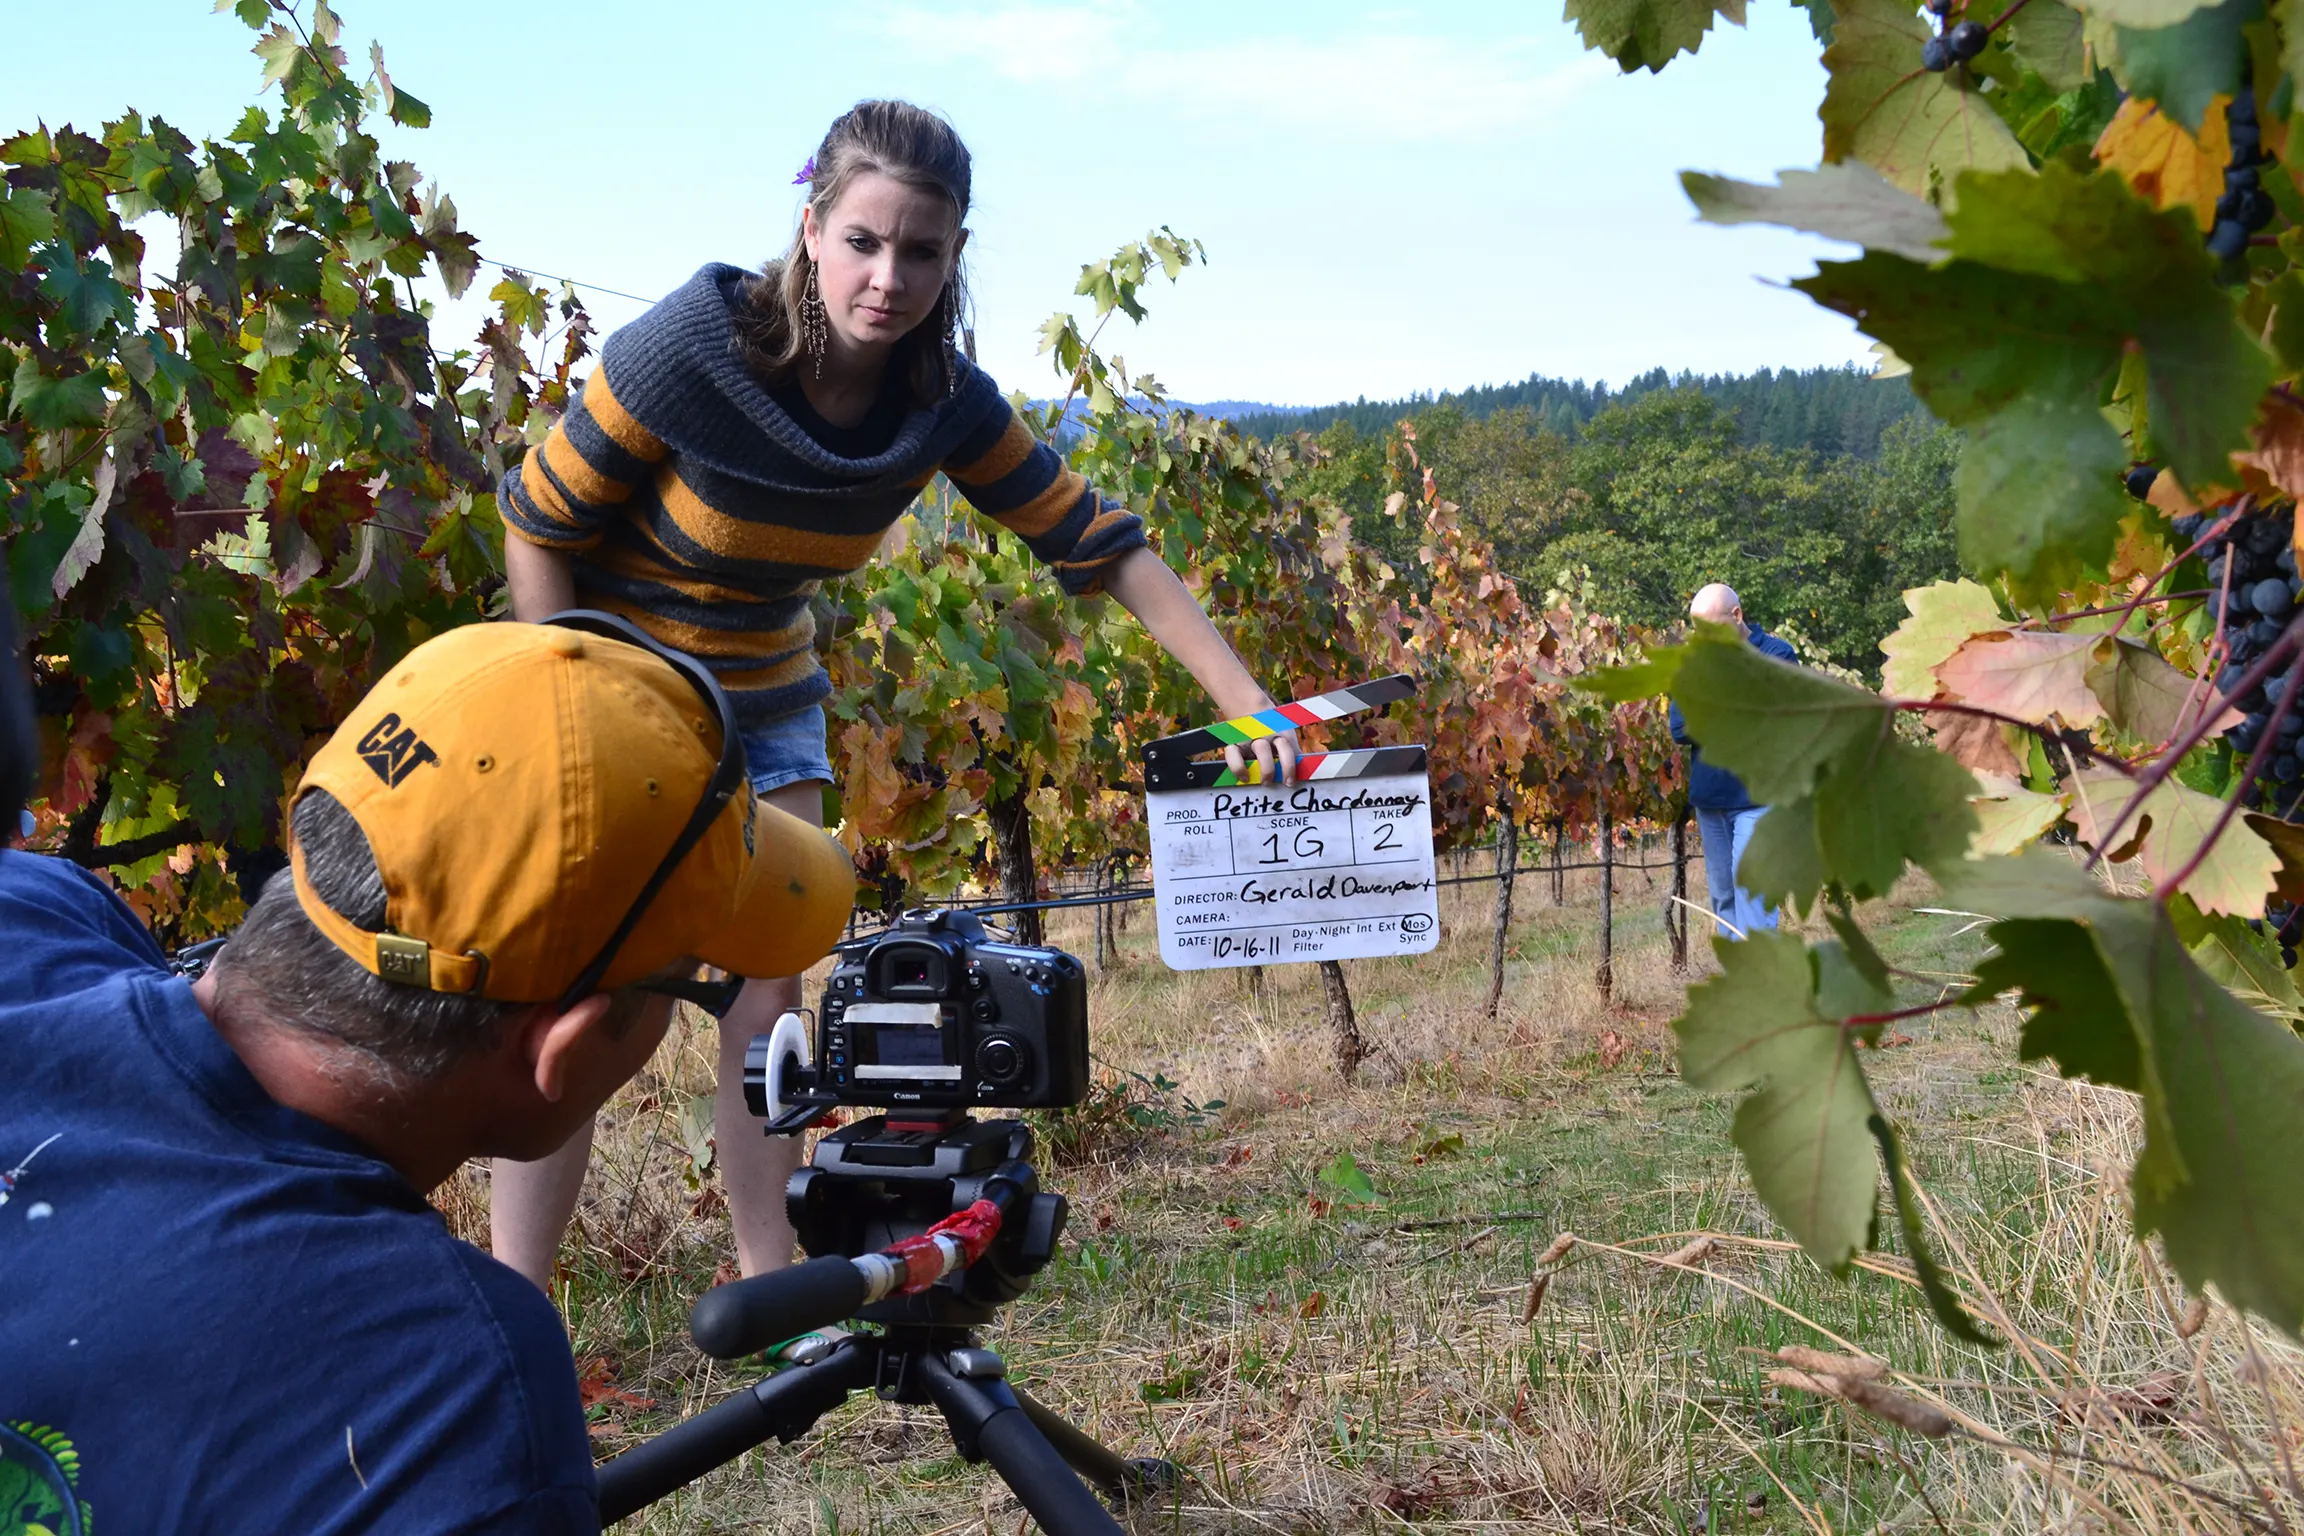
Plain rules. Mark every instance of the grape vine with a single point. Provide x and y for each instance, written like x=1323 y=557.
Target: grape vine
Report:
x=2082 y=246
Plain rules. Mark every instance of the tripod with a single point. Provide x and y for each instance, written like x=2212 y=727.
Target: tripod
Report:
x=867 y=1186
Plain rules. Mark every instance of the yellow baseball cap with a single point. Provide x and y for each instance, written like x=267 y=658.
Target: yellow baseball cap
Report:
x=523 y=787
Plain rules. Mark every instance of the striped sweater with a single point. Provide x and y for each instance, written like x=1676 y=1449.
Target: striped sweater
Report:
x=697 y=507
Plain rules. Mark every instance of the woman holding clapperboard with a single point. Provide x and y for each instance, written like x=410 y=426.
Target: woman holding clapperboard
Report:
x=750 y=437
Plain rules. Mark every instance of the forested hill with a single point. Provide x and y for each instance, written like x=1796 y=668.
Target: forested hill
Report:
x=1830 y=410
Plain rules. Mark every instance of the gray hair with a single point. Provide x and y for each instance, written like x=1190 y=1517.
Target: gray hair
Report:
x=287 y=970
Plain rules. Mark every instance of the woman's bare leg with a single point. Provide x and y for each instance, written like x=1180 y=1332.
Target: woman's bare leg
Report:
x=530 y=1203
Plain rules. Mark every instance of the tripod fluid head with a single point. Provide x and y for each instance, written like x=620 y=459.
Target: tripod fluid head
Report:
x=877 y=1207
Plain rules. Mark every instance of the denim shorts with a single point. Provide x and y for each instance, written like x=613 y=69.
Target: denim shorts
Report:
x=789 y=749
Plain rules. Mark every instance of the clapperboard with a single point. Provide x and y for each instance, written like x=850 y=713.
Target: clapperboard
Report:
x=1335 y=866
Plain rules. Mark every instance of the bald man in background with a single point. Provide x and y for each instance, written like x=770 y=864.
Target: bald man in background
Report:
x=1725 y=814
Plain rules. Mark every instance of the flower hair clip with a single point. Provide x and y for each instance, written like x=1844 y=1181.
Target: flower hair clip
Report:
x=807 y=172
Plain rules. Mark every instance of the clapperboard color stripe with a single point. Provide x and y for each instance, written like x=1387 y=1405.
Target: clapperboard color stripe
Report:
x=1361 y=764
x=1168 y=762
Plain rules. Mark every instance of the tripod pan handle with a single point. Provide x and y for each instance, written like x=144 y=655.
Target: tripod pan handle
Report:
x=747 y=1316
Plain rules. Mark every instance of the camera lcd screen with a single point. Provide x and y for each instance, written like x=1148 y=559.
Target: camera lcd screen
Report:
x=901 y=1045
x=902 y=1042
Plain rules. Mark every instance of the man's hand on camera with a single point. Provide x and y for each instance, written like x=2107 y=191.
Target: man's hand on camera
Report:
x=1275 y=755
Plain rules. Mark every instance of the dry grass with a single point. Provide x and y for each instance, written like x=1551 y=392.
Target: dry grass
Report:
x=1320 y=1366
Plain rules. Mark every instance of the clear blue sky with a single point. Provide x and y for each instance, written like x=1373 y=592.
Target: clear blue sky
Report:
x=1393 y=198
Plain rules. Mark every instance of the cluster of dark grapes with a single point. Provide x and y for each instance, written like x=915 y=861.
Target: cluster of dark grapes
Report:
x=2245 y=206
x=2254 y=564
x=1956 y=44
x=2259 y=554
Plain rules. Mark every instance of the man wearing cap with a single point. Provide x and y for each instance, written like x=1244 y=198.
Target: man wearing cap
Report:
x=1725 y=814
x=224 y=1302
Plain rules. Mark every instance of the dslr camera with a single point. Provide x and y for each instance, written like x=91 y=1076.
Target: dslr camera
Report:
x=934 y=1014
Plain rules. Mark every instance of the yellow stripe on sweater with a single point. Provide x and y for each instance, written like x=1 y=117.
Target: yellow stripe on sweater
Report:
x=722 y=644
x=617 y=422
x=1013 y=448
x=792 y=669
x=1047 y=509
x=545 y=495
x=735 y=538
x=577 y=473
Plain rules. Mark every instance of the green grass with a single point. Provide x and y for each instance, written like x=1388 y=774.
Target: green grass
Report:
x=1323 y=1365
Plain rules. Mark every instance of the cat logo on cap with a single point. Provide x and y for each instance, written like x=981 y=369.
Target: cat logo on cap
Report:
x=393 y=751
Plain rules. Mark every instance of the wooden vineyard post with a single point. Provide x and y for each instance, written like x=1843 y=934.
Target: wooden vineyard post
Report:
x=1559 y=864
x=1676 y=908
x=1351 y=1050
x=1605 y=976
x=1507 y=868
x=1103 y=915
x=1011 y=820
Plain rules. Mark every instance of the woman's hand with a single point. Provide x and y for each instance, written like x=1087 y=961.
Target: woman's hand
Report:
x=1170 y=613
x=1275 y=755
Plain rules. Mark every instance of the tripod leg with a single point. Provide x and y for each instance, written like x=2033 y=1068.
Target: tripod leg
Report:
x=985 y=1416
x=783 y=1406
x=1119 y=1478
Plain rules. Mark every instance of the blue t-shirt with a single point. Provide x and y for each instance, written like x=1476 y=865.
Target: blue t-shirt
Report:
x=218 y=1314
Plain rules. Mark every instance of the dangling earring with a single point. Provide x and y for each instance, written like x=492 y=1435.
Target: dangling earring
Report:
x=812 y=320
x=948 y=308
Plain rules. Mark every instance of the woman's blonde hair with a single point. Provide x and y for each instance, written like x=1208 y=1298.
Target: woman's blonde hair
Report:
x=917 y=148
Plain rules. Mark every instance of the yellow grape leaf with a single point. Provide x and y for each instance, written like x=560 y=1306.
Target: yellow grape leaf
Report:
x=1943 y=614
x=2025 y=674
x=2167 y=166
x=2276 y=464
x=2175 y=820
x=2141 y=550
x=2012 y=817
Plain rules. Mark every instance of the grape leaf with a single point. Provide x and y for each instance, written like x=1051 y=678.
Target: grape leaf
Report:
x=2045 y=37
x=56 y=405
x=2057 y=277
x=2185 y=65
x=1895 y=802
x=1783 y=864
x=2287 y=841
x=2117 y=997
x=1774 y=725
x=1942 y=614
x=1795 y=735
x=1918 y=129
x=2077 y=1016
x=2237 y=958
x=2217 y=1177
x=2278 y=455
x=2038 y=882
x=1804 y=1134
x=1648 y=34
x=2143 y=13
x=1975 y=742
x=2148 y=698
x=2161 y=160
x=2176 y=821
x=1848 y=201
x=27 y=217
x=2028 y=674
x=2039 y=495
x=2013 y=818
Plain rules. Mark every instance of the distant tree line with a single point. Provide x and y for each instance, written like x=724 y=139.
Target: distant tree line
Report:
x=1660 y=492
x=1827 y=410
